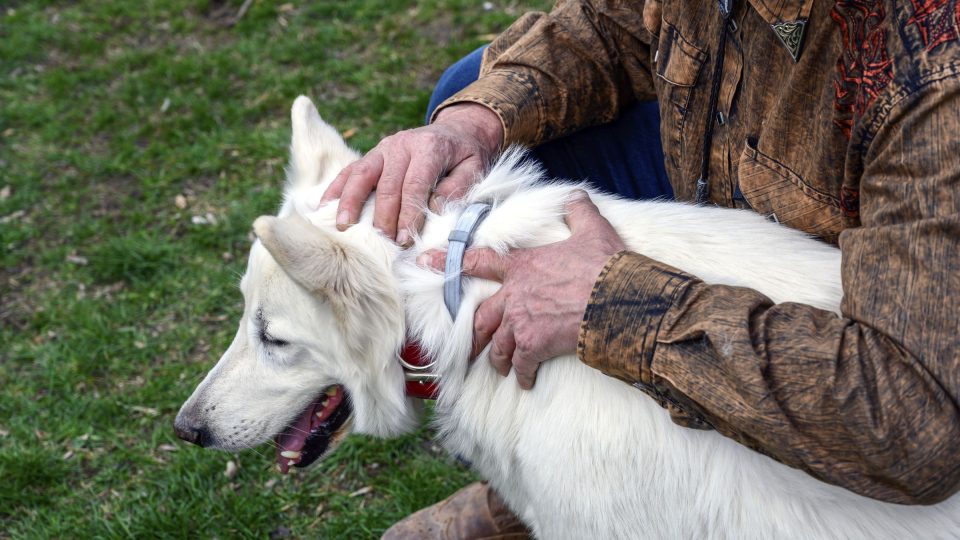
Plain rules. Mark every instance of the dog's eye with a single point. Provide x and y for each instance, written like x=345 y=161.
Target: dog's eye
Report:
x=266 y=339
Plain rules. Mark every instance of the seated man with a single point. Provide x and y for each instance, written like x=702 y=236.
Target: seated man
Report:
x=838 y=119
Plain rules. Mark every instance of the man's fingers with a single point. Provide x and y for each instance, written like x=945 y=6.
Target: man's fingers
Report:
x=455 y=185
x=486 y=321
x=525 y=368
x=420 y=178
x=526 y=380
x=501 y=350
x=389 y=191
x=364 y=175
x=336 y=187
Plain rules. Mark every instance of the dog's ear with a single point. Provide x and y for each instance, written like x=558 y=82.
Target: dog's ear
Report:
x=357 y=284
x=312 y=257
x=317 y=151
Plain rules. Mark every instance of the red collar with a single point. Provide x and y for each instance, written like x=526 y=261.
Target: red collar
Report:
x=420 y=380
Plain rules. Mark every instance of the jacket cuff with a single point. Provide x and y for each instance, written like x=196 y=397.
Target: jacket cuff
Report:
x=513 y=97
x=630 y=298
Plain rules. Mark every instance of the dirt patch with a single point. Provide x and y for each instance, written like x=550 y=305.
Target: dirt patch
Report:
x=222 y=12
x=23 y=292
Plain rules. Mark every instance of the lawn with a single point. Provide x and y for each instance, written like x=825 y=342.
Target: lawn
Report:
x=138 y=141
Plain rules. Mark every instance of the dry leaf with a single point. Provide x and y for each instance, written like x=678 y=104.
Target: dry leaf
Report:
x=362 y=491
x=149 y=411
x=180 y=201
x=349 y=133
x=206 y=219
x=5 y=193
x=12 y=217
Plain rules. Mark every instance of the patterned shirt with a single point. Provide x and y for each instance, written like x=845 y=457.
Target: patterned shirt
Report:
x=841 y=119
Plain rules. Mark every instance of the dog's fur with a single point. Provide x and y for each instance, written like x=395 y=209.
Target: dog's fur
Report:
x=582 y=455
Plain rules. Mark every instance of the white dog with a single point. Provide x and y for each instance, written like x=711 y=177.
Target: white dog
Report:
x=581 y=455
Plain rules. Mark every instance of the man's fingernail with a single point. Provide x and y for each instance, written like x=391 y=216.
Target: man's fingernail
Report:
x=437 y=203
x=579 y=195
x=343 y=218
x=403 y=237
x=432 y=259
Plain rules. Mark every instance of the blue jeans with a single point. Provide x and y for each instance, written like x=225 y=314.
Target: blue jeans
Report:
x=622 y=157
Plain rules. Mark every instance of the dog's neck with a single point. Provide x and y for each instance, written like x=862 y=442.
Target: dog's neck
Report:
x=419 y=375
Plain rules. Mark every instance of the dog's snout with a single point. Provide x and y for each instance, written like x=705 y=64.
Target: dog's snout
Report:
x=190 y=432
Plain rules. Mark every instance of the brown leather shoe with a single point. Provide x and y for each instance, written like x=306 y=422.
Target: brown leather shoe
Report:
x=475 y=512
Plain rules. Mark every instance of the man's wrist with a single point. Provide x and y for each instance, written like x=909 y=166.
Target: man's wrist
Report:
x=481 y=121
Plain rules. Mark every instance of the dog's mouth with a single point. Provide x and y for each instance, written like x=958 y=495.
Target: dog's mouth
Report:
x=319 y=429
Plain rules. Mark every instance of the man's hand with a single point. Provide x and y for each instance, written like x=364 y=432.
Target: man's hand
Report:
x=536 y=315
x=436 y=162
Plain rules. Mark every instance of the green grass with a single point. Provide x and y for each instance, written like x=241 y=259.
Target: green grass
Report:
x=114 y=303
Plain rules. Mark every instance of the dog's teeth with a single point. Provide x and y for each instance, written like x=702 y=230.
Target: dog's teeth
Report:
x=332 y=391
x=291 y=463
x=290 y=454
x=319 y=414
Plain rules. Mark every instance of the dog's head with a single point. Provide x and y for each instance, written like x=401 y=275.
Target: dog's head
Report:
x=315 y=354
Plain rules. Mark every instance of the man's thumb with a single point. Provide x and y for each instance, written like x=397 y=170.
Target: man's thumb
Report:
x=581 y=212
x=478 y=262
x=484 y=263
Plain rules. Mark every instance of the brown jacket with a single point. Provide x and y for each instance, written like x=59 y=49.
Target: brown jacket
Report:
x=857 y=142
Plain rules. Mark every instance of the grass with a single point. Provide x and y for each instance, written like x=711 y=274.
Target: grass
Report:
x=121 y=124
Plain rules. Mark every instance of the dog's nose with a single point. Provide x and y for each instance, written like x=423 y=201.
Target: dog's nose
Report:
x=191 y=435
x=187 y=431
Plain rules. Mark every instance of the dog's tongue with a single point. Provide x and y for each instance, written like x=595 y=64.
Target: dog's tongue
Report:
x=291 y=441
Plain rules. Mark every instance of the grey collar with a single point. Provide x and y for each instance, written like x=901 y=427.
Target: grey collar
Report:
x=459 y=239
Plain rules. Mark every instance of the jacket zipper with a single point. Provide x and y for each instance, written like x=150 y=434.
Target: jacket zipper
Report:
x=703 y=183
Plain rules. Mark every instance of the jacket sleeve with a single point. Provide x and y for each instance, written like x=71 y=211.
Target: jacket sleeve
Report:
x=553 y=74
x=867 y=400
